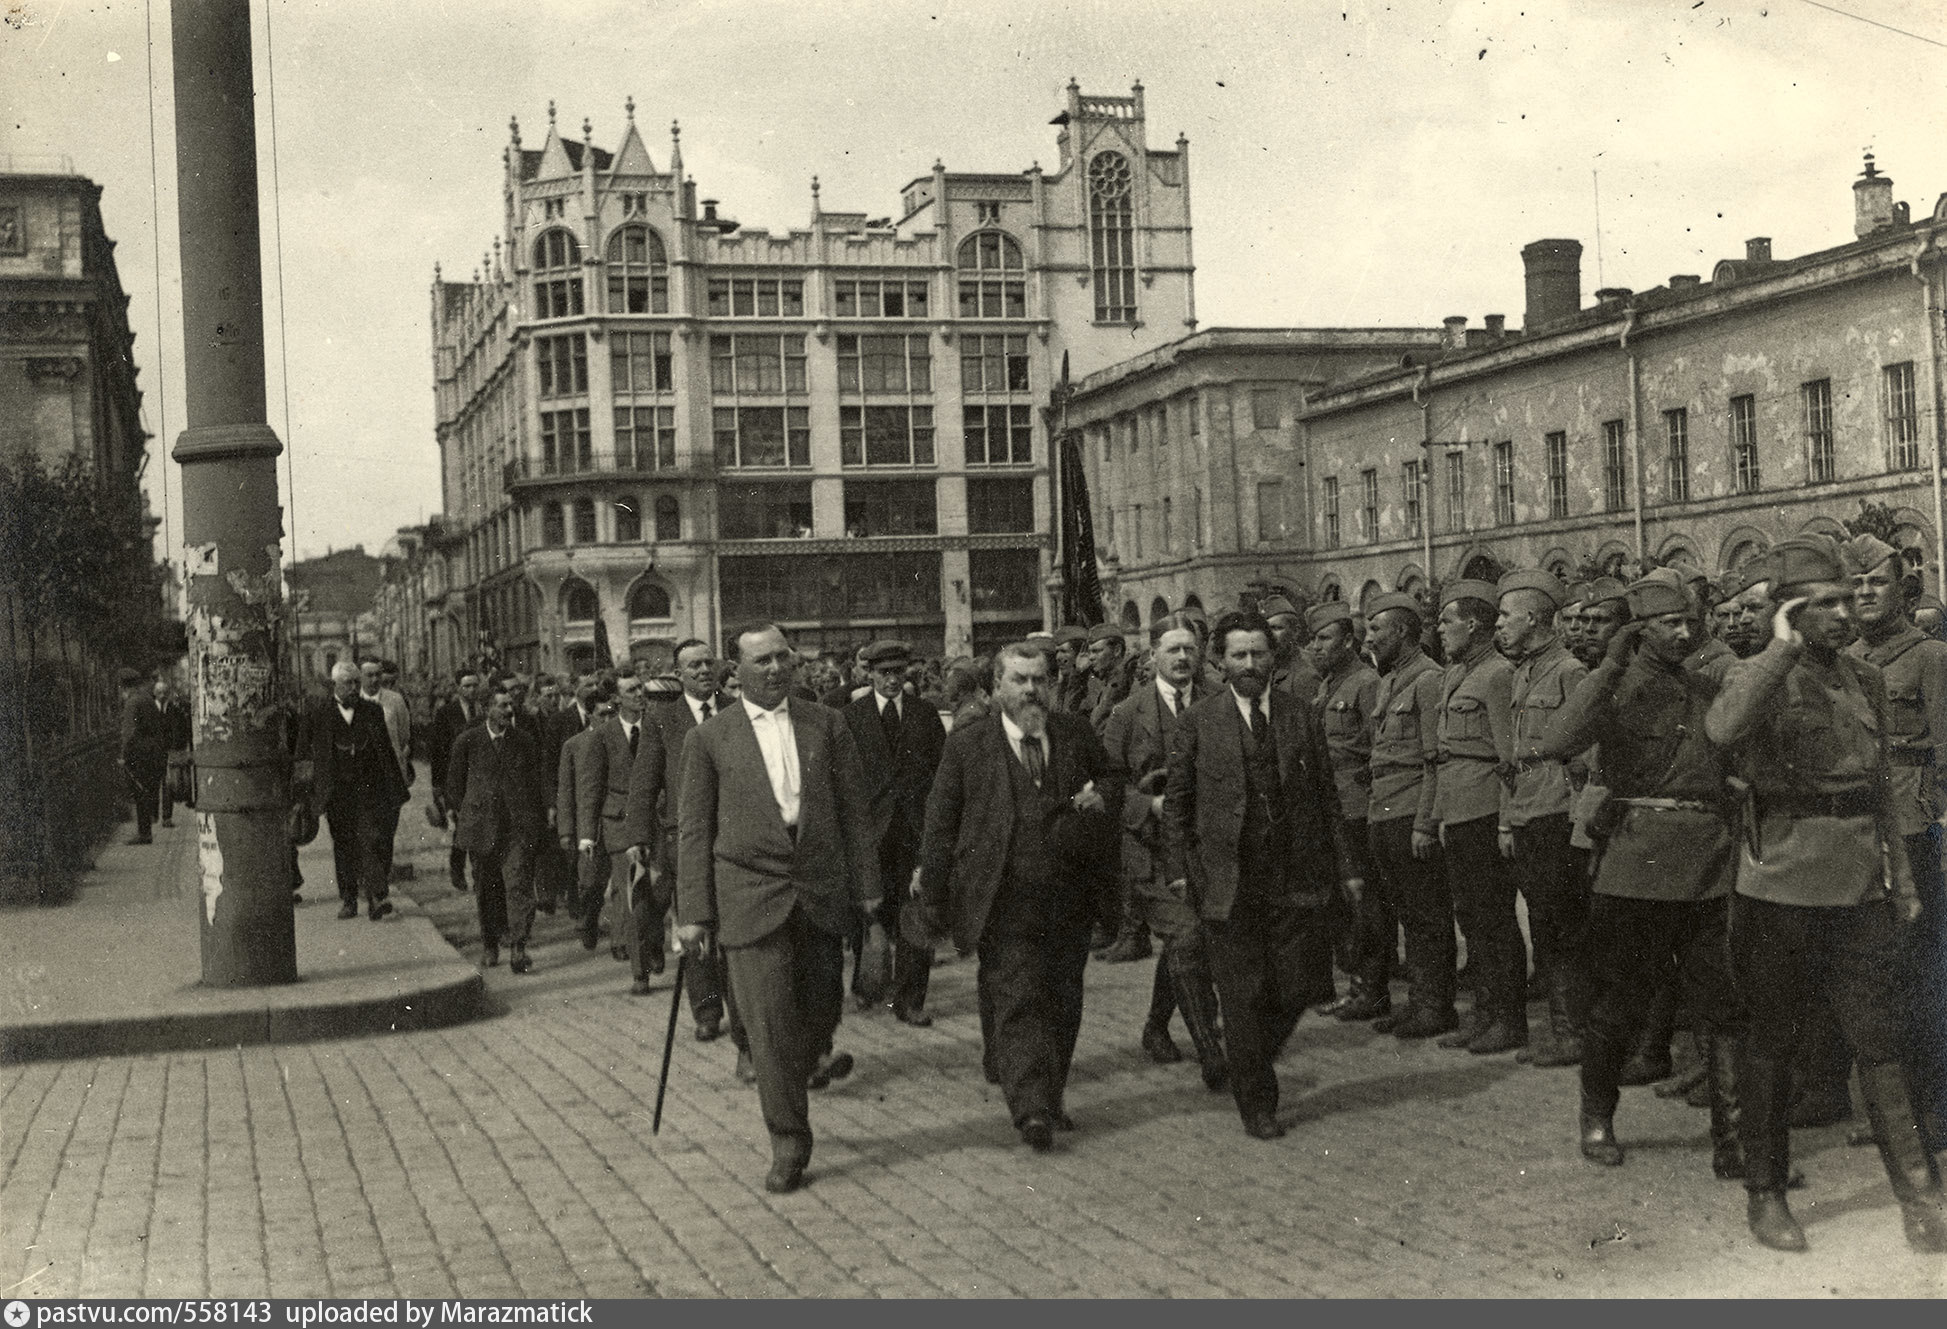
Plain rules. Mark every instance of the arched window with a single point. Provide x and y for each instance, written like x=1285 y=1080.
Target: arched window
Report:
x=628 y=519
x=1330 y=590
x=1743 y=553
x=1482 y=567
x=1193 y=602
x=1159 y=609
x=557 y=275
x=553 y=530
x=669 y=519
x=993 y=278
x=648 y=600
x=1111 y=229
x=1132 y=617
x=584 y=521
x=638 y=272
x=579 y=603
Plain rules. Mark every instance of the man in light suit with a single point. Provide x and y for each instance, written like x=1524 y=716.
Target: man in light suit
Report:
x=774 y=862
x=601 y=807
x=595 y=702
x=494 y=787
x=899 y=738
x=460 y=713
x=1017 y=862
x=560 y=867
x=655 y=798
x=355 y=785
x=1249 y=814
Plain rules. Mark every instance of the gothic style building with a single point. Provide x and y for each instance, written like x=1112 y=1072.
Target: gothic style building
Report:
x=654 y=423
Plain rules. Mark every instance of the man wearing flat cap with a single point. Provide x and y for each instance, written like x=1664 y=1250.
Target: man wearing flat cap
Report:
x=1535 y=831
x=899 y=739
x=1823 y=887
x=1363 y=928
x=1476 y=744
x=1662 y=886
x=1914 y=666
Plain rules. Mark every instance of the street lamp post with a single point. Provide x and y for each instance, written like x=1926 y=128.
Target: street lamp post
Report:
x=232 y=524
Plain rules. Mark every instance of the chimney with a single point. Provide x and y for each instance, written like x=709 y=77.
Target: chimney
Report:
x=1613 y=295
x=1686 y=281
x=1497 y=325
x=1454 y=334
x=1553 y=270
x=1758 y=249
x=1872 y=201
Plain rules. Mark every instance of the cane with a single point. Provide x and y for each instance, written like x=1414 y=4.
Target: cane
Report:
x=669 y=1041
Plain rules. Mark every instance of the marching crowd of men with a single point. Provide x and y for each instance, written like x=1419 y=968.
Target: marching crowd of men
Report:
x=1718 y=803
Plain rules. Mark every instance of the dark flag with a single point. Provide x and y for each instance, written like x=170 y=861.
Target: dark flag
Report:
x=1081 y=588
x=604 y=657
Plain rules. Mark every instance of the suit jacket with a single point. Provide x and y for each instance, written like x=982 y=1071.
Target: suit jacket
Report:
x=374 y=768
x=145 y=733
x=656 y=783
x=737 y=867
x=556 y=730
x=898 y=781
x=576 y=754
x=1203 y=803
x=602 y=781
x=449 y=722
x=175 y=726
x=970 y=821
x=486 y=776
x=1138 y=743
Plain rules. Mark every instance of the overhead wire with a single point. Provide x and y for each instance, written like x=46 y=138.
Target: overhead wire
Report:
x=277 y=244
x=155 y=224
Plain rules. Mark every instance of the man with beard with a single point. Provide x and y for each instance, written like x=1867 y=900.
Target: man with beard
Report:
x=1361 y=919
x=1914 y=666
x=1291 y=671
x=1662 y=888
x=1400 y=824
x=1138 y=742
x=1536 y=832
x=1248 y=812
x=1015 y=861
x=1822 y=887
x=1476 y=743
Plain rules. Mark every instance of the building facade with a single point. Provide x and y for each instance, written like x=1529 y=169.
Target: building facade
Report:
x=654 y=423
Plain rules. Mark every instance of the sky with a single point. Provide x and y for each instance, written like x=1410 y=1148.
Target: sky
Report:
x=1353 y=163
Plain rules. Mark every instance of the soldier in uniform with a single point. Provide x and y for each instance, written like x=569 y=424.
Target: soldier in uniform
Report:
x=1364 y=918
x=1662 y=886
x=1535 y=831
x=1402 y=835
x=1476 y=743
x=1292 y=671
x=1914 y=666
x=1822 y=887
x=1568 y=619
x=1605 y=611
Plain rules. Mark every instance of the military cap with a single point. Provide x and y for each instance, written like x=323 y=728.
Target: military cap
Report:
x=887 y=652
x=1578 y=593
x=1756 y=569
x=1379 y=604
x=1331 y=611
x=1932 y=602
x=1534 y=579
x=1604 y=589
x=1105 y=632
x=1863 y=553
x=1070 y=633
x=1806 y=558
x=662 y=684
x=1655 y=595
x=1691 y=574
x=1730 y=584
x=1483 y=591
x=1273 y=605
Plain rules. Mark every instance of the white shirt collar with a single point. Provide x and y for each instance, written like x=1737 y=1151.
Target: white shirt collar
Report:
x=884 y=701
x=754 y=711
x=1244 y=705
x=1169 y=691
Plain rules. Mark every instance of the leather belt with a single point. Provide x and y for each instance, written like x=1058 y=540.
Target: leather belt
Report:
x=1849 y=803
x=1672 y=805
x=1446 y=757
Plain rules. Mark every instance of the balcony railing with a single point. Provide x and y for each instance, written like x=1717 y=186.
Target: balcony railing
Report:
x=540 y=470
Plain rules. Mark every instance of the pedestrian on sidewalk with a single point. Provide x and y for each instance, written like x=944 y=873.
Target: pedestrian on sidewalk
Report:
x=398 y=728
x=460 y=713
x=494 y=786
x=145 y=750
x=356 y=785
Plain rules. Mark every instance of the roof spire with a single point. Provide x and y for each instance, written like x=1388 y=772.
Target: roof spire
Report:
x=550 y=113
x=587 y=130
x=628 y=108
x=676 y=150
x=514 y=128
x=816 y=209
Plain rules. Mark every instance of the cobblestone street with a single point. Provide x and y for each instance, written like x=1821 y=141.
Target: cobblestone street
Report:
x=513 y=1157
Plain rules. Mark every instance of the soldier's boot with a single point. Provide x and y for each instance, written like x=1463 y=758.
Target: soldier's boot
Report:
x=1132 y=935
x=1196 y=997
x=1820 y=1072
x=1156 y=1040
x=1720 y=1065
x=1602 y=1056
x=1505 y=1032
x=1909 y=1164
x=1564 y=1046
x=1764 y=1131
x=1650 y=1060
x=1472 y=1022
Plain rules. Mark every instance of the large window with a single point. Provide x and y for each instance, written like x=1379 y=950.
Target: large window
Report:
x=1332 y=531
x=638 y=272
x=584 y=521
x=554 y=528
x=1676 y=457
x=1111 y=228
x=1504 y=483
x=994 y=364
x=755 y=297
x=756 y=363
x=1005 y=580
x=1555 y=447
x=885 y=435
x=762 y=435
x=992 y=277
x=628 y=519
x=1744 y=444
x=645 y=438
x=790 y=588
x=669 y=518
x=998 y=435
x=1000 y=504
x=1270 y=510
x=884 y=364
x=563 y=365
x=1816 y=398
x=1456 y=491
x=1411 y=480
x=890 y=507
x=1902 y=418
x=1615 y=465
x=1369 y=506
x=647 y=599
x=764 y=511
x=566 y=444
x=557 y=275
x=869 y=298
x=640 y=362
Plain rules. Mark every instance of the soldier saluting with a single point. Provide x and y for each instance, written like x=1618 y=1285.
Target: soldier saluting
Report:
x=1821 y=888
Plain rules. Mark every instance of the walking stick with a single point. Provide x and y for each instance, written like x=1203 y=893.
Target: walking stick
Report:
x=669 y=1041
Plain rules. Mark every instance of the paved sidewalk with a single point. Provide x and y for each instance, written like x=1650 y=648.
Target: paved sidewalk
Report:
x=513 y=1156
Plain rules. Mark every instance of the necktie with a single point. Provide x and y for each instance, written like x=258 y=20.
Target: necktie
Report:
x=634 y=730
x=1260 y=723
x=889 y=720
x=1031 y=753
x=706 y=710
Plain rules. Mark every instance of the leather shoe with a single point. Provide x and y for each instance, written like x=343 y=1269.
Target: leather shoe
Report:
x=785 y=1176
x=1160 y=1046
x=709 y=1031
x=1263 y=1126
x=1061 y=1121
x=381 y=909
x=746 y=1069
x=1334 y=1006
x=917 y=1019
x=1640 y=1069
x=1501 y=1036
x=1128 y=947
x=1039 y=1133
x=590 y=934
x=1465 y=1027
x=1216 y=1076
x=349 y=909
x=836 y=1066
x=1385 y=1024
x=656 y=963
x=520 y=962
x=1599 y=1141
x=492 y=956
x=618 y=951
x=1772 y=1223
x=1421 y=1022
x=1368 y=1005
x=640 y=988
